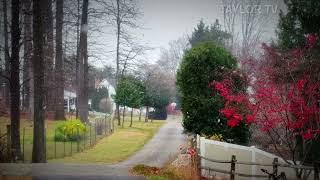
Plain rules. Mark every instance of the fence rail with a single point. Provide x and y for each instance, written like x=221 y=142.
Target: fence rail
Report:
x=235 y=173
x=275 y=166
x=252 y=163
x=258 y=164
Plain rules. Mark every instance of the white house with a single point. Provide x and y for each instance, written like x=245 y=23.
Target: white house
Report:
x=70 y=96
x=69 y=100
x=111 y=90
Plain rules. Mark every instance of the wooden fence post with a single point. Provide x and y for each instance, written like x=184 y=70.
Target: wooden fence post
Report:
x=64 y=143
x=275 y=167
x=78 y=139
x=9 y=141
x=111 y=124
x=316 y=171
x=23 y=149
x=84 y=140
x=71 y=141
x=95 y=132
x=198 y=163
x=105 y=125
x=55 y=143
x=233 y=167
x=90 y=134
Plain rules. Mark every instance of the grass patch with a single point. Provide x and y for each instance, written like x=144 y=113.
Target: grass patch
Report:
x=111 y=149
x=54 y=149
x=119 y=146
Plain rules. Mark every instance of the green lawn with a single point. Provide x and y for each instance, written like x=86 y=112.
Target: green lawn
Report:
x=54 y=149
x=101 y=148
x=119 y=146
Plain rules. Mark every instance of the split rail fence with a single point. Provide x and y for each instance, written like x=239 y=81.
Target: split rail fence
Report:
x=220 y=159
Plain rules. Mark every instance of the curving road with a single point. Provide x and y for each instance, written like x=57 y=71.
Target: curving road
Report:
x=163 y=147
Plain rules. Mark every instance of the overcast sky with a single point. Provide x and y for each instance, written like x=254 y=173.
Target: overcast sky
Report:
x=167 y=20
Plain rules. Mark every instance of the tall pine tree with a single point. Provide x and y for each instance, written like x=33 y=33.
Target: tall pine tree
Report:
x=302 y=18
x=204 y=33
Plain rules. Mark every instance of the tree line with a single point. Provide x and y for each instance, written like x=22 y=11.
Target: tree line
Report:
x=48 y=47
x=44 y=51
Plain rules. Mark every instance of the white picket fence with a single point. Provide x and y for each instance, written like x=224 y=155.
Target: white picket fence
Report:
x=254 y=160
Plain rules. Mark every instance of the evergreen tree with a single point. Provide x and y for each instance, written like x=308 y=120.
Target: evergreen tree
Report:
x=129 y=93
x=200 y=107
x=205 y=33
x=301 y=19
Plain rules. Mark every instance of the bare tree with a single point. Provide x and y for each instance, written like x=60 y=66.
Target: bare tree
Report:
x=229 y=19
x=245 y=27
x=170 y=58
x=250 y=29
x=59 y=75
x=78 y=53
x=6 y=51
x=159 y=86
x=49 y=56
x=15 y=80
x=123 y=14
x=83 y=65
x=39 y=144
x=1 y=44
x=131 y=56
x=71 y=40
x=27 y=58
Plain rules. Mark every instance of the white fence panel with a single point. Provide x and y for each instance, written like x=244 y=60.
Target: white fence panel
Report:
x=223 y=151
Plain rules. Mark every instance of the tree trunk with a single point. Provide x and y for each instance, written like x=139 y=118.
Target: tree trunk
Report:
x=140 y=114
x=77 y=59
x=15 y=81
x=118 y=114
x=147 y=114
x=123 y=114
x=27 y=45
x=31 y=90
x=49 y=54
x=118 y=55
x=83 y=65
x=131 y=117
x=6 y=52
x=39 y=142
x=59 y=75
x=29 y=55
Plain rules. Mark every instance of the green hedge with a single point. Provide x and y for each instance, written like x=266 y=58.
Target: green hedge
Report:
x=200 y=106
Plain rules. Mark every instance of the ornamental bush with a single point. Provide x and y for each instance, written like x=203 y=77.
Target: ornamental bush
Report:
x=200 y=106
x=72 y=130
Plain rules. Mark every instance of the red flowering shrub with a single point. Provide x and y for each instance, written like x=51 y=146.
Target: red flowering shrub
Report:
x=292 y=103
x=311 y=40
x=282 y=99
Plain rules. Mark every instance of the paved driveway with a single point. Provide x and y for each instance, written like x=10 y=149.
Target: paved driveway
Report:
x=163 y=147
